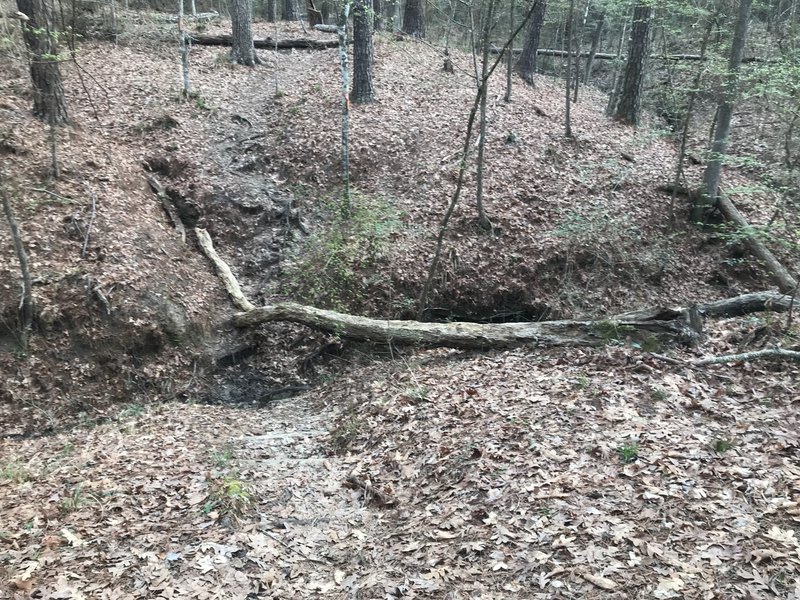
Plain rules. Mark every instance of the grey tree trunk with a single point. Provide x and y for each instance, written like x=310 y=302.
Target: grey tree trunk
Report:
x=597 y=35
x=636 y=65
x=242 y=50
x=363 y=53
x=49 y=102
x=510 y=64
x=377 y=7
x=719 y=147
x=184 y=41
x=483 y=220
x=616 y=75
x=414 y=18
x=290 y=10
x=345 y=205
x=527 y=60
x=567 y=76
x=269 y=10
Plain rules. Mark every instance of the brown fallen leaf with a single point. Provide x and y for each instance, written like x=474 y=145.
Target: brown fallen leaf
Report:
x=601 y=582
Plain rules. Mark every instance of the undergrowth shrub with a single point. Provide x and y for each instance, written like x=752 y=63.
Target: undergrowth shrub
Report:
x=339 y=267
x=609 y=245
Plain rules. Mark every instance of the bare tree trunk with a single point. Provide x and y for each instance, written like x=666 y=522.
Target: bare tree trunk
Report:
x=345 y=208
x=483 y=220
x=568 y=87
x=579 y=52
x=414 y=18
x=378 y=21
x=597 y=35
x=242 y=50
x=270 y=11
x=362 y=92
x=635 y=67
x=719 y=148
x=687 y=119
x=527 y=59
x=290 y=11
x=27 y=305
x=49 y=102
x=510 y=64
x=616 y=75
x=184 y=49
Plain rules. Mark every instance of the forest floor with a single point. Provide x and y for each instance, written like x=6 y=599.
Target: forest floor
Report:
x=530 y=473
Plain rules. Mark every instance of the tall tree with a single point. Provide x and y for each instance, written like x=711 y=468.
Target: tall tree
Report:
x=49 y=103
x=630 y=94
x=363 y=52
x=527 y=60
x=597 y=35
x=483 y=220
x=242 y=50
x=727 y=100
x=269 y=11
x=568 y=40
x=290 y=11
x=414 y=18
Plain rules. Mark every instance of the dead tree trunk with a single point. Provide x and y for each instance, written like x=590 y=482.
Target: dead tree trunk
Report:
x=662 y=325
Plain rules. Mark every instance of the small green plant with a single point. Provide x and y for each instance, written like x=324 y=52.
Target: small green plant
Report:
x=346 y=433
x=200 y=102
x=609 y=330
x=339 y=267
x=229 y=497
x=659 y=394
x=131 y=411
x=14 y=472
x=722 y=445
x=74 y=501
x=651 y=344
x=221 y=458
x=279 y=94
x=419 y=393
x=629 y=452
x=582 y=382
x=512 y=137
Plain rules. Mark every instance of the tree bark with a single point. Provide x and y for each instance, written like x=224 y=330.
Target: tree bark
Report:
x=49 y=102
x=483 y=220
x=290 y=12
x=242 y=48
x=270 y=13
x=377 y=8
x=597 y=35
x=567 y=80
x=719 y=147
x=363 y=53
x=630 y=94
x=414 y=18
x=530 y=50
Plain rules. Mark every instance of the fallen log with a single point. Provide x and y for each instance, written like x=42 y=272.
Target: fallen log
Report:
x=473 y=335
x=612 y=56
x=655 y=326
x=266 y=43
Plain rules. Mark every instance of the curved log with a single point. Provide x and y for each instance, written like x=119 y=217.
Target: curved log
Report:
x=473 y=335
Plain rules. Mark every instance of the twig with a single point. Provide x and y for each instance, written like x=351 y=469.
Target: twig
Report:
x=60 y=197
x=776 y=353
x=91 y=219
x=370 y=492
